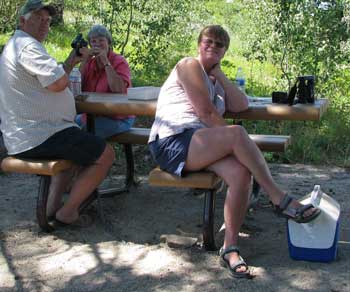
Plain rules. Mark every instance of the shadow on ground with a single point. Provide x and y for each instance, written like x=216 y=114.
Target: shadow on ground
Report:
x=124 y=253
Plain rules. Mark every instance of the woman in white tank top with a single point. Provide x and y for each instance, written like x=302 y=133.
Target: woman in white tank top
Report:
x=190 y=134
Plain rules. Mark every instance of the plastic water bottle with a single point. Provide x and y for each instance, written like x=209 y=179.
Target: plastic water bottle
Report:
x=240 y=79
x=75 y=81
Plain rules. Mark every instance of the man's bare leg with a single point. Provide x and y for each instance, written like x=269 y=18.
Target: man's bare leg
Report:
x=58 y=186
x=87 y=181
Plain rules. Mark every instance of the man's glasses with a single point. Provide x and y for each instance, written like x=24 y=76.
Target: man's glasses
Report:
x=209 y=42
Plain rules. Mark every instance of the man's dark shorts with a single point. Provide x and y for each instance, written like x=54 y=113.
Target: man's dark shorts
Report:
x=73 y=144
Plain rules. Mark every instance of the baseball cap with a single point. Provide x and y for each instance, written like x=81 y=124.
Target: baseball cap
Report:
x=34 y=5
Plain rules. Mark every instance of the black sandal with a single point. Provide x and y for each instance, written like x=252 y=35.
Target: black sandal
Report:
x=240 y=263
x=296 y=214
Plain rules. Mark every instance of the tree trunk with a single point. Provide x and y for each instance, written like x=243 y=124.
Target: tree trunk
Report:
x=58 y=18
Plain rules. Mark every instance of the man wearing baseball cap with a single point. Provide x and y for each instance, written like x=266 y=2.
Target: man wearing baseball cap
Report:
x=35 y=5
x=37 y=112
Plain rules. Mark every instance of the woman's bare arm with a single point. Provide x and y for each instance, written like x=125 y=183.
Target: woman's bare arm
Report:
x=236 y=100
x=192 y=79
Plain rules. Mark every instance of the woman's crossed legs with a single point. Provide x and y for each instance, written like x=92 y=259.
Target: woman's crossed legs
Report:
x=232 y=155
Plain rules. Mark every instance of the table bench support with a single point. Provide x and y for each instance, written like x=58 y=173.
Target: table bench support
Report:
x=130 y=166
x=208 y=220
x=41 y=204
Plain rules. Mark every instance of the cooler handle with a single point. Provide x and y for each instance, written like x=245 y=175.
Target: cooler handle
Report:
x=316 y=196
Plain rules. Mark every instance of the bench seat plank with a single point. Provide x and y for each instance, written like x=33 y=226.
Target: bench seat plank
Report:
x=197 y=180
x=133 y=136
x=269 y=143
x=35 y=166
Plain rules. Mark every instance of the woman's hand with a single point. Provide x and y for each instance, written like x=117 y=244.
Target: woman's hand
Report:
x=216 y=71
x=236 y=101
x=101 y=55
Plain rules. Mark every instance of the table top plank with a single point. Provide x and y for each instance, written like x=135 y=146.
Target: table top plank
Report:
x=115 y=104
x=142 y=101
x=272 y=111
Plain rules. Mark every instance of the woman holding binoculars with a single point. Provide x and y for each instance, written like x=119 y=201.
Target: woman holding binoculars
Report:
x=104 y=71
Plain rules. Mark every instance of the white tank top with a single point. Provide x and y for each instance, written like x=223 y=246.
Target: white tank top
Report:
x=175 y=112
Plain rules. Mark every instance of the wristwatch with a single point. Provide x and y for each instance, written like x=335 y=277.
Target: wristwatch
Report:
x=108 y=64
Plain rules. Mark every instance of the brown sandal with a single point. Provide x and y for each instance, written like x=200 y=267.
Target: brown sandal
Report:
x=296 y=214
x=240 y=263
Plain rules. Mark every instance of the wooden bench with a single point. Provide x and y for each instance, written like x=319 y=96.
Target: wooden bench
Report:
x=44 y=169
x=47 y=168
x=135 y=136
x=139 y=136
x=269 y=143
x=209 y=182
x=205 y=180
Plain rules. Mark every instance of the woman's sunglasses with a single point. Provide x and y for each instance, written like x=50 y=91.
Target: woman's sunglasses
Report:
x=210 y=42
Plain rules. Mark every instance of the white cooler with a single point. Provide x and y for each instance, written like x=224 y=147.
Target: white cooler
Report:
x=317 y=240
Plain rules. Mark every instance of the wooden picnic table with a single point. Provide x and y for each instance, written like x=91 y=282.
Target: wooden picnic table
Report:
x=142 y=101
x=264 y=109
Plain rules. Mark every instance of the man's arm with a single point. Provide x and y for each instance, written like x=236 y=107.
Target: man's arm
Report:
x=59 y=84
x=68 y=65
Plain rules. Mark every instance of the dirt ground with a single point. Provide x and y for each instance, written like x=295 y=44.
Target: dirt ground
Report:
x=125 y=252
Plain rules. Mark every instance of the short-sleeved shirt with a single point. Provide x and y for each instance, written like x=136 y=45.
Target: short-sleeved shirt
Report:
x=95 y=79
x=29 y=112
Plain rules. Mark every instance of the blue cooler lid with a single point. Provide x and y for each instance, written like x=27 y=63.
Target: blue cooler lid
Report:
x=319 y=233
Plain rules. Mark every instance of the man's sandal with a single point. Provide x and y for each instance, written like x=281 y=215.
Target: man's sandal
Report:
x=240 y=263
x=296 y=214
x=83 y=221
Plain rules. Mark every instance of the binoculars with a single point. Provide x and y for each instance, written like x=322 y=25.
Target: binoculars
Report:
x=78 y=43
x=302 y=90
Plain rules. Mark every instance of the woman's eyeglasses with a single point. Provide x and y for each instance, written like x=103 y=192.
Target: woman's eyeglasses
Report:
x=209 y=42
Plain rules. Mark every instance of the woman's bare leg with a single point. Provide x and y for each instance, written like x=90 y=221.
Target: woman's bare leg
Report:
x=238 y=179
x=209 y=145
x=216 y=143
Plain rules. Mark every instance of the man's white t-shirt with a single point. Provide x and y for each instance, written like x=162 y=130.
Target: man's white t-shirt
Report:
x=29 y=112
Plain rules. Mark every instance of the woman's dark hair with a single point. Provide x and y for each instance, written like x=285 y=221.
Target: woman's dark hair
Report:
x=216 y=31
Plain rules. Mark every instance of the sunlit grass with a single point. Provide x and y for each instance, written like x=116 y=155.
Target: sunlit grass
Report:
x=4 y=38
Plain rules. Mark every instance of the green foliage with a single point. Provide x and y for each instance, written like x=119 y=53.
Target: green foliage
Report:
x=59 y=40
x=301 y=37
x=8 y=14
x=151 y=34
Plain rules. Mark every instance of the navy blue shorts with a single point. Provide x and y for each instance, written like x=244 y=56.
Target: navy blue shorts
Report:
x=73 y=144
x=171 y=152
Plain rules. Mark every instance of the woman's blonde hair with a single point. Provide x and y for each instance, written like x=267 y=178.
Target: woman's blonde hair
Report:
x=216 y=31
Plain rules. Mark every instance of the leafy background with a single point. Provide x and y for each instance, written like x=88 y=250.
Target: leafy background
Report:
x=272 y=40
